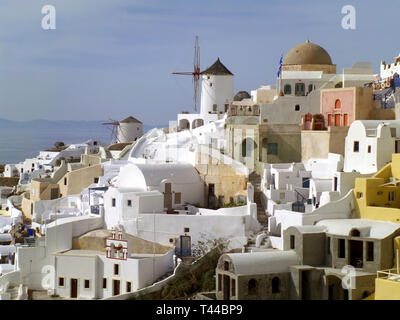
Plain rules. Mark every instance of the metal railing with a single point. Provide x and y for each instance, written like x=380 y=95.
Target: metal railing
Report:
x=389 y=274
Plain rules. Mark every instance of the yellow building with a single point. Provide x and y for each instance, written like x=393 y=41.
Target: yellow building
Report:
x=378 y=197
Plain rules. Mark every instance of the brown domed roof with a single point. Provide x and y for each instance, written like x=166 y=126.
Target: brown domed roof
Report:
x=241 y=95
x=307 y=53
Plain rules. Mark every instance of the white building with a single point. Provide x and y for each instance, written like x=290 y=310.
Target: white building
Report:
x=94 y=274
x=370 y=144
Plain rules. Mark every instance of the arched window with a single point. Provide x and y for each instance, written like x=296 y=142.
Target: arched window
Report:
x=338 y=104
x=276 y=282
x=299 y=89
x=355 y=233
x=287 y=89
x=252 y=286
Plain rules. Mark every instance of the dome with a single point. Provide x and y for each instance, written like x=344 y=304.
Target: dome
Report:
x=307 y=53
x=241 y=95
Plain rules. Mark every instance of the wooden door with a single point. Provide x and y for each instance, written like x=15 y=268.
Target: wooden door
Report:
x=116 y=287
x=74 y=288
x=167 y=197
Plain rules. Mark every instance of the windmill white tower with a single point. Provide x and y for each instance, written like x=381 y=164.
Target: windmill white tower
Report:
x=216 y=89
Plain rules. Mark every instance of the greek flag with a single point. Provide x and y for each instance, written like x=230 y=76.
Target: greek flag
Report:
x=280 y=66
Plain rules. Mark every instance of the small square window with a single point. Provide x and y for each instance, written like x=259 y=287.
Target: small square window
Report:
x=129 y=203
x=186 y=230
x=297 y=107
x=96 y=180
x=87 y=284
x=272 y=148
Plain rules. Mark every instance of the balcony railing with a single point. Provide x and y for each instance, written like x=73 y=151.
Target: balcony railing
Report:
x=182 y=252
x=390 y=274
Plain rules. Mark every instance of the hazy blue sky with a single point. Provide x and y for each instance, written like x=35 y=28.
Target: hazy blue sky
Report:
x=114 y=58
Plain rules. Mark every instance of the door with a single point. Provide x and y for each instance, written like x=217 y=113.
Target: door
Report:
x=167 y=196
x=116 y=287
x=227 y=287
x=356 y=253
x=346 y=119
x=186 y=247
x=337 y=120
x=74 y=288
x=306 y=285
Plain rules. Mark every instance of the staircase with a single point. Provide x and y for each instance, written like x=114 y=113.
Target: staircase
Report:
x=255 y=180
x=13 y=291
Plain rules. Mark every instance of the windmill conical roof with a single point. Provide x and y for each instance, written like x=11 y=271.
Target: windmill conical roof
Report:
x=217 y=69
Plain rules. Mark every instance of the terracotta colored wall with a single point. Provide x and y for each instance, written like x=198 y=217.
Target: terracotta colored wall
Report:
x=347 y=98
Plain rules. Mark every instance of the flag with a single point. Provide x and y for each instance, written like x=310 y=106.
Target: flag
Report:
x=280 y=66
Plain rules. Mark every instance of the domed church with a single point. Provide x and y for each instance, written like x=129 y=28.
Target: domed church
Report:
x=308 y=56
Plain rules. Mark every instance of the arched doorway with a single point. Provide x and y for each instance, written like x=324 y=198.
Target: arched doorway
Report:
x=197 y=123
x=184 y=124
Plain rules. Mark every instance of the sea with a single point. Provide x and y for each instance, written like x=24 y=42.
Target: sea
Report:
x=22 y=140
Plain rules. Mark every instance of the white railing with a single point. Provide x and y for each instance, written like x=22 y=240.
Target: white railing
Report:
x=390 y=274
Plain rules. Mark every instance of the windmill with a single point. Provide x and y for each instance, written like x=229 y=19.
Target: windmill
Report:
x=196 y=72
x=114 y=129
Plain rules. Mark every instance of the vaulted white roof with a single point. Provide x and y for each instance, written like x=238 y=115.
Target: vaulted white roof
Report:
x=262 y=262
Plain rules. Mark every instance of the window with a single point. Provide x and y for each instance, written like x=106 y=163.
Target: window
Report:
x=370 y=251
x=95 y=143
x=104 y=283
x=287 y=89
x=391 y=196
x=369 y=149
x=272 y=148
x=310 y=88
x=220 y=282
x=337 y=120
x=328 y=247
x=87 y=284
x=341 y=248
x=292 y=242
x=116 y=269
x=113 y=202
x=355 y=233
x=306 y=182
x=129 y=203
x=297 y=107
x=338 y=104
x=177 y=197
x=65 y=181
x=210 y=84
x=252 y=286
x=299 y=89
x=275 y=285
x=226 y=265
x=359 y=195
x=186 y=230
x=214 y=107
x=233 y=287
x=356 y=146
x=61 y=281
x=96 y=180
x=128 y=286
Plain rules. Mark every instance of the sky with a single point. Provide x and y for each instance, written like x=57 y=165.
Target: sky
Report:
x=114 y=58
